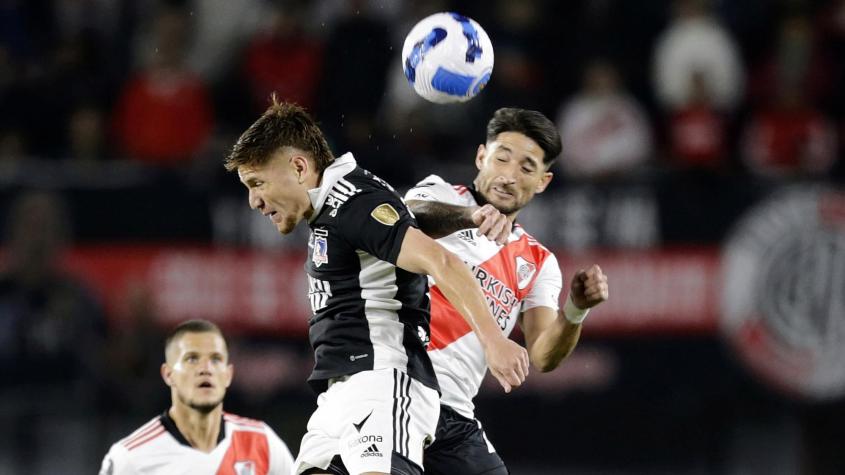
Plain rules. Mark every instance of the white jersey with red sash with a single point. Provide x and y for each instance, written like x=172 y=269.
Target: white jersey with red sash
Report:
x=515 y=277
x=245 y=447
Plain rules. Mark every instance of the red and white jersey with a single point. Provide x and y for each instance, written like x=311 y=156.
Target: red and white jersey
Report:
x=245 y=447
x=515 y=277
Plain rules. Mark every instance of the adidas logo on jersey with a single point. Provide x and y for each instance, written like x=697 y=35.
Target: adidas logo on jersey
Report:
x=372 y=451
x=466 y=235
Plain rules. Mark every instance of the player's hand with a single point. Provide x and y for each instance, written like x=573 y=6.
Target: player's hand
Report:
x=508 y=362
x=589 y=287
x=492 y=223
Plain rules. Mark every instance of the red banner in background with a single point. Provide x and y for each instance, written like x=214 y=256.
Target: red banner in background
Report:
x=661 y=291
x=243 y=291
x=263 y=292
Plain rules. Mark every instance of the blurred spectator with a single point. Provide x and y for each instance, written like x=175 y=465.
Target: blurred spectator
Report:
x=86 y=138
x=49 y=321
x=797 y=60
x=697 y=130
x=357 y=54
x=164 y=114
x=284 y=59
x=221 y=29
x=696 y=42
x=789 y=138
x=521 y=56
x=51 y=330
x=603 y=129
x=132 y=362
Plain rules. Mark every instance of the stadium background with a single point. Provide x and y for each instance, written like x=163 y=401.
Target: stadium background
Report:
x=703 y=169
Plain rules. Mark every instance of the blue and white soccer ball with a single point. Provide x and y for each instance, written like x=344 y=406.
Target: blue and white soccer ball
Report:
x=447 y=57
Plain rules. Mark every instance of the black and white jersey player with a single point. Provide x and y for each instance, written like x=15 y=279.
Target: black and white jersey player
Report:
x=369 y=330
x=368 y=313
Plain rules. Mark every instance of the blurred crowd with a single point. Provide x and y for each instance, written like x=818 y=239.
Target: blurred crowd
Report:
x=115 y=116
x=732 y=87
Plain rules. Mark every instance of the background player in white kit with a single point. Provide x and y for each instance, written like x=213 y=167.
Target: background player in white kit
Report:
x=378 y=404
x=521 y=279
x=195 y=436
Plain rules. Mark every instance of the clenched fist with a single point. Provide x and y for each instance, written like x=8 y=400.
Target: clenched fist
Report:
x=589 y=287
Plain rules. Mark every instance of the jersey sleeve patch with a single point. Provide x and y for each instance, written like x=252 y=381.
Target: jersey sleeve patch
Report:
x=385 y=214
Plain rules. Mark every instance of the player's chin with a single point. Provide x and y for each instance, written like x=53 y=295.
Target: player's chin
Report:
x=506 y=206
x=206 y=404
x=285 y=227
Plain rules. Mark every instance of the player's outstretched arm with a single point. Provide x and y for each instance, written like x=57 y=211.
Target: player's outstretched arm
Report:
x=551 y=335
x=442 y=219
x=507 y=360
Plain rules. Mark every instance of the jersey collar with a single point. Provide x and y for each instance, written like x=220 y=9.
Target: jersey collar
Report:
x=340 y=167
x=170 y=426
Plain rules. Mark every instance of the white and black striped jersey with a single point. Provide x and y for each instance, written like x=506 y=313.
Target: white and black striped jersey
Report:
x=368 y=313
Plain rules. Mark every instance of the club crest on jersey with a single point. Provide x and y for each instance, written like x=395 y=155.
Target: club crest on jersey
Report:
x=245 y=467
x=385 y=214
x=524 y=272
x=320 y=253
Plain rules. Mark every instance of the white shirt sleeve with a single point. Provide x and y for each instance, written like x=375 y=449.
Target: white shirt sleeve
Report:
x=433 y=188
x=281 y=460
x=547 y=286
x=116 y=462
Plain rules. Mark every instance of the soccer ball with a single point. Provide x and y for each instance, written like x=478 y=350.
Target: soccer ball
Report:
x=447 y=57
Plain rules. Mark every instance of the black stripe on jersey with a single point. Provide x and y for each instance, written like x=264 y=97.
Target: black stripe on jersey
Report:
x=407 y=405
x=397 y=426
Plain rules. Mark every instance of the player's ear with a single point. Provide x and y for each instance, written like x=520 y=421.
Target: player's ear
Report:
x=301 y=166
x=544 y=182
x=166 y=371
x=479 y=156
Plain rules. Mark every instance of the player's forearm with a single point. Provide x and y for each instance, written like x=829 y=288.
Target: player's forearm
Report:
x=554 y=344
x=459 y=287
x=441 y=219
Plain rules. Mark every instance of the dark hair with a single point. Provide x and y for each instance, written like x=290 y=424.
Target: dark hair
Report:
x=191 y=326
x=532 y=124
x=283 y=124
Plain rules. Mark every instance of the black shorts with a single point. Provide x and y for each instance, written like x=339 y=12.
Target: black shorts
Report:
x=460 y=447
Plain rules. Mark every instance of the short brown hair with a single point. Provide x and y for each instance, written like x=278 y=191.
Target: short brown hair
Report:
x=532 y=124
x=191 y=326
x=283 y=124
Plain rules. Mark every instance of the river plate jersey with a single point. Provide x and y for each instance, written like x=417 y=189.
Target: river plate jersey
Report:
x=368 y=313
x=515 y=277
x=244 y=447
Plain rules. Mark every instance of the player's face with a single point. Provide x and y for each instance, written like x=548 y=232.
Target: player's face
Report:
x=198 y=370
x=277 y=188
x=510 y=171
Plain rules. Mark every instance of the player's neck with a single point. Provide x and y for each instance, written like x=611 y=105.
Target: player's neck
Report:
x=201 y=430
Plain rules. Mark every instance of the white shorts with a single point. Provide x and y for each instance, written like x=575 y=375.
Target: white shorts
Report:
x=368 y=419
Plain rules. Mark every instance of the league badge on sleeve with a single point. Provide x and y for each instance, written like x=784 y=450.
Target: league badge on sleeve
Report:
x=385 y=214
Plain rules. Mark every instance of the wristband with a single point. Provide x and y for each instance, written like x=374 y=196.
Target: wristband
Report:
x=572 y=313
